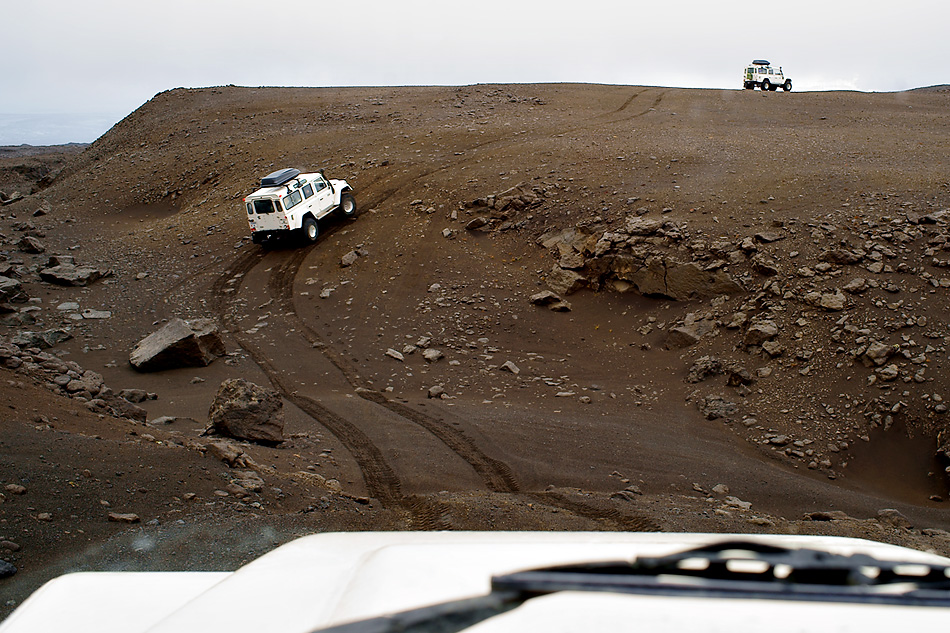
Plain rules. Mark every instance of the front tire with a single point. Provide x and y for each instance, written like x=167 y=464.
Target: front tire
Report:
x=787 y=86
x=347 y=208
x=310 y=229
x=766 y=85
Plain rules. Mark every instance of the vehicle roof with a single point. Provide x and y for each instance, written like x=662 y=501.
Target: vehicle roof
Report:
x=280 y=190
x=332 y=578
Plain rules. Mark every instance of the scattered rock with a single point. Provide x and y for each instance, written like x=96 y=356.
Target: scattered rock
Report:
x=432 y=355
x=476 y=223
x=759 y=332
x=395 y=354
x=715 y=407
x=688 y=334
x=194 y=343
x=545 y=298
x=894 y=518
x=6 y=569
x=247 y=411
x=349 y=259
x=705 y=367
x=29 y=244
x=117 y=517
x=825 y=515
x=510 y=366
x=72 y=275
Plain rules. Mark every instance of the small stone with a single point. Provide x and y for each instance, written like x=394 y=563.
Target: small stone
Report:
x=96 y=314
x=349 y=259
x=476 y=223
x=6 y=569
x=510 y=366
x=585 y=400
x=436 y=391
x=395 y=354
x=44 y=516
x=833 y=302
x=117 y=517
x=432 y=355
x=721 y=489
x=544 y=298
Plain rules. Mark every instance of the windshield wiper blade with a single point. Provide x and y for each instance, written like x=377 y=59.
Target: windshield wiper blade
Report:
x=447 y=617
x=749 y=570
x=731 y=569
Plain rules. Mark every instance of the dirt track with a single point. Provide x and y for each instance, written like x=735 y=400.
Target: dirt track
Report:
x=158 y=200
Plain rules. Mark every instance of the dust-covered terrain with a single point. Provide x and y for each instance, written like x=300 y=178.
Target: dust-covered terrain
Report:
x=560 y=307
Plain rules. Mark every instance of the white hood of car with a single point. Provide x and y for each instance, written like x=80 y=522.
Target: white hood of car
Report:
x=334 y=578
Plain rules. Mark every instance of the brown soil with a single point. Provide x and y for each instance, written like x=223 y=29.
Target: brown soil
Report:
x=160 y=194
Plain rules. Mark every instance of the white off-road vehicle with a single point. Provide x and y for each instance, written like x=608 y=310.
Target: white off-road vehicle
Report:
x=289 y=201
x=760 y=74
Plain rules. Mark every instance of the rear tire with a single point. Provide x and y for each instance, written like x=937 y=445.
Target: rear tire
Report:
x=787 y=86
x=347 y=208
x=310 y=229
x=766 y=85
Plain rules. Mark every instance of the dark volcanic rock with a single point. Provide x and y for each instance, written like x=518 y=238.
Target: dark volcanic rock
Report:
x=6 y=569
x=247 y=411
x=180 y=343
x=9 y=288
x=70 y=275
x=42 y=340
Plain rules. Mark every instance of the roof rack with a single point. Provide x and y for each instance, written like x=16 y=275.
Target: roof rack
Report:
x=279 y=177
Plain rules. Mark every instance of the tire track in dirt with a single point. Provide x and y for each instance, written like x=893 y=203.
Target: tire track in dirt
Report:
x=496 y=475
x=382 y=482
x=626 y=104
x=610 y=516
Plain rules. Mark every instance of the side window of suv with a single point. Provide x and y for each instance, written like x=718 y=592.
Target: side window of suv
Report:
x=307 y=191
x=319 y=185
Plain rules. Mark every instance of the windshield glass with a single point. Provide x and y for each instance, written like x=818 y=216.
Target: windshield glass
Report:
x=264 y=206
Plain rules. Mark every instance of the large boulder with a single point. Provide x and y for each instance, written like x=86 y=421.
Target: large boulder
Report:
x=193 y=343
x=72 y=275
x=247 y=411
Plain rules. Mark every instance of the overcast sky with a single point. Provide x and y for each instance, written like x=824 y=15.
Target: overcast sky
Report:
x=72 y=68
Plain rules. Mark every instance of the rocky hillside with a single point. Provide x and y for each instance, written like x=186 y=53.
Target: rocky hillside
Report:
x=559 y=307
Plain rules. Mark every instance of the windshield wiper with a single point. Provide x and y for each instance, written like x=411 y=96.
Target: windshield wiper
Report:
x=731 y=569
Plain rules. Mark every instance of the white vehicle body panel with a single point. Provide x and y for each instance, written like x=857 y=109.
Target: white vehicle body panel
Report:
x=326 y=579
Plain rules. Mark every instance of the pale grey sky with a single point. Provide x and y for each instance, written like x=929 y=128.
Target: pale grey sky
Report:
x=72 y=68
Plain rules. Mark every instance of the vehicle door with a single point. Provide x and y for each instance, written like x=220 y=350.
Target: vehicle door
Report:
x=323 y=196
x=265 y=214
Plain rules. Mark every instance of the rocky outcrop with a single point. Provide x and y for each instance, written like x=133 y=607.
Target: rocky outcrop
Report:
x=247 y=411
x=644 y=256
x=194 y=343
